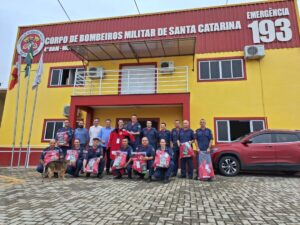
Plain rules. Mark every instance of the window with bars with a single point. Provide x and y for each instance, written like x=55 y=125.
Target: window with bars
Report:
x=63 y=77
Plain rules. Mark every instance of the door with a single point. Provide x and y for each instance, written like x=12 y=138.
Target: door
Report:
x=138 y=79
x=261 y=151
x=287 y=148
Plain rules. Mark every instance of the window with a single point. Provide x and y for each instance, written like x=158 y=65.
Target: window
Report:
x=51 y=128
x=230 y=130
x=64 y=77
x=221 y=69
x=263 y=138
x=285 y=137
x=138 y=79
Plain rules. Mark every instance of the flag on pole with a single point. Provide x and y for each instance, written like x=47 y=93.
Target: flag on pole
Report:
x=15 y=74
x=39 y=72
x=28 y=60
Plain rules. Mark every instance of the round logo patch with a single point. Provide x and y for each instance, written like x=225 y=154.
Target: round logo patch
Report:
x=34 y=37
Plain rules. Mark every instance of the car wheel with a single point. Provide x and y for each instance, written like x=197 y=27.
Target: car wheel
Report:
x=229 y=166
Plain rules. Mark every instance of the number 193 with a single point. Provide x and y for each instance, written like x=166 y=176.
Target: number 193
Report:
x=265 y=30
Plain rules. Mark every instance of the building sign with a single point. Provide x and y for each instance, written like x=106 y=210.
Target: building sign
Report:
x=219 y=29
x=35 y=37
x=140 y=34
x=263 y=31
x=267 y=30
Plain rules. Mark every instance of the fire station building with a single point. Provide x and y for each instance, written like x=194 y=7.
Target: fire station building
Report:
x=237 y=66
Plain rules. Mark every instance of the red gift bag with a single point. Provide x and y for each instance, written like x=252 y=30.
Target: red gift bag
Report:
x=92 y=166
x=205 y=169
x=72 y=156
x=62 y=138
x=162 y=159
x=120 y=160
x=139 y=165
x=50 y=156
x=186 y=150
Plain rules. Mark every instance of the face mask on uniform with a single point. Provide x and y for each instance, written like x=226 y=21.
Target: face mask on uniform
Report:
x=80 y=126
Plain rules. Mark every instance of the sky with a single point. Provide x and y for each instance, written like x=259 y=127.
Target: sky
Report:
x=16 y=13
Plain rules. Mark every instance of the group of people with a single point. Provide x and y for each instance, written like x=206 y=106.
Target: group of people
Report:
x=105 y=142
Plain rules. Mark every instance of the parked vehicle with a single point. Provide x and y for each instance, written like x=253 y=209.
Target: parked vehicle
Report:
x=265 y=150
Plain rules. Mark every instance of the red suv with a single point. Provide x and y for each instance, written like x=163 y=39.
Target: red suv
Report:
x=276 y=150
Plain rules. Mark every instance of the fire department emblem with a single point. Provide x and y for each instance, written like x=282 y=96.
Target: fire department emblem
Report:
x=34 y=37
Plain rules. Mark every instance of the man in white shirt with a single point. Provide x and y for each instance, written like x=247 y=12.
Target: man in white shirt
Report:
x=94 y=131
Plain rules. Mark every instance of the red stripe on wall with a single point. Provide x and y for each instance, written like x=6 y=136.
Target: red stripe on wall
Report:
x=5 y=157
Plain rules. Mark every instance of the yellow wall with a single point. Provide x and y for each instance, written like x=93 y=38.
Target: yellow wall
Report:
x=2 y=100
x=50 y=103
x=280 y=93
x=277 y=87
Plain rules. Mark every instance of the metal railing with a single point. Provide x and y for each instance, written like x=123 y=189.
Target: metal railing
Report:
x=131 y=81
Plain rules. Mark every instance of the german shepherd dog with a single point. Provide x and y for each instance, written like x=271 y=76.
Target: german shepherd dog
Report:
x=59 y=167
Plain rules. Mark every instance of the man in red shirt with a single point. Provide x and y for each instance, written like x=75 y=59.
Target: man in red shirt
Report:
x=115 y=138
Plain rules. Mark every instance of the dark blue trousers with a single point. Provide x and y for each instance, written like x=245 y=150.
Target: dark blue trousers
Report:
x=189 y=162
x=164 y=173
x=40 y=168
x=74 y=171
x=106 y=152
x=176 y=160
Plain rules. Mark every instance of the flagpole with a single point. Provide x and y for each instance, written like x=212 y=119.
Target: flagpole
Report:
x=24 y=117
x=16 y=113
x=30 y=129
x=37 y=81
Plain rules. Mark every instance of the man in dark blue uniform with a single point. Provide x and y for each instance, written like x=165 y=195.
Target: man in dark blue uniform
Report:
x=64 y=137
x=164 y=134
x=95 y=151
x=40 y=167
x=149 y=158
x=151 y=134
x=174 y=145
x=135 y=129
x=203 y=139
x=186 y=135
x=124 y=148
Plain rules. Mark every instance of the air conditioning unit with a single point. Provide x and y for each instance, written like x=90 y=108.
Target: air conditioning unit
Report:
x=95 y=72
x=254 y=51
x=167 y=67
x=67 y=111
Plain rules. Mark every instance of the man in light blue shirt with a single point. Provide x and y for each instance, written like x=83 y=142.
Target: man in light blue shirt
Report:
x=82 y=134
x=104 y=136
